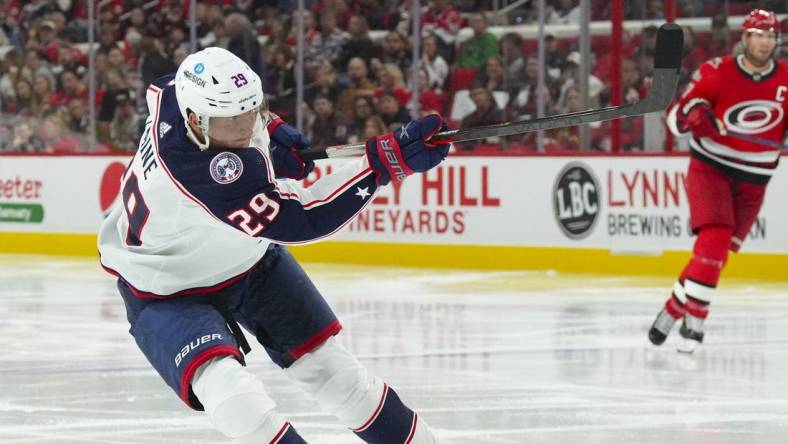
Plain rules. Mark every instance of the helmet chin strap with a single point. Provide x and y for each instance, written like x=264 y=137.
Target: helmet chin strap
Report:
x=194 y=138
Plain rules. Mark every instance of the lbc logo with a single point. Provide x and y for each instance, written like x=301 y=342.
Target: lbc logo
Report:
x=576 y=200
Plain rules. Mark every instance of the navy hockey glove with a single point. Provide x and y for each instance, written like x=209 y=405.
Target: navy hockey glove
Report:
x=407 y=150
x=701 y=121
x=286 y=141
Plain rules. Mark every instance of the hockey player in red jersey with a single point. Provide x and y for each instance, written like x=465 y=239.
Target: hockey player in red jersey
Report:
x=727 y=175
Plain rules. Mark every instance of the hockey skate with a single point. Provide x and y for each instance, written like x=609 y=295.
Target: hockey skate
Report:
x=691 y=332
x=661 y=327
x=665 y=320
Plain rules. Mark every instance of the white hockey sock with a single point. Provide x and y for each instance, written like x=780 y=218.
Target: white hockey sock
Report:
x=236 y=402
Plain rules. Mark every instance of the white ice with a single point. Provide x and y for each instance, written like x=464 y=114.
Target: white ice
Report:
x=485 y=357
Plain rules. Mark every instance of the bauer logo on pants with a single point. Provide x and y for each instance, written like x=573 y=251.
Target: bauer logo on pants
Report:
x=576 y=200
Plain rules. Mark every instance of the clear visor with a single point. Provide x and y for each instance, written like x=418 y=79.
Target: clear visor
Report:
x=236 y=131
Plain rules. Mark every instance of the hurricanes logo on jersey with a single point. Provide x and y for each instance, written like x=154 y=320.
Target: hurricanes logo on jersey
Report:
x=226 y=168
x=753 y=116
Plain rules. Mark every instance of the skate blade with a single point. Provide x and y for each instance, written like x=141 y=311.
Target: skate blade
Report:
x=687 y=346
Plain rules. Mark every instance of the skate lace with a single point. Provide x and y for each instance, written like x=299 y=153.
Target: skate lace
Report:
x=664 y=322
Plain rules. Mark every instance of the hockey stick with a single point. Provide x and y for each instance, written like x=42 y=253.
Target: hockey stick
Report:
x=667 y=61
x=759 y=140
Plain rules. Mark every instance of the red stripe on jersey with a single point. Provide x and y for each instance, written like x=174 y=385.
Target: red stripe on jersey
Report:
x=281 y=433
x=412 y=428
x=187 y=292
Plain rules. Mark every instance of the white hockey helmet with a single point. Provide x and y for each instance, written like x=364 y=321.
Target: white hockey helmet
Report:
x=215 y=83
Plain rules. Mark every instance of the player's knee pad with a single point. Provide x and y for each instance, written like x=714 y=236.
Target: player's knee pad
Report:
x=235 y=400
x=334 y=378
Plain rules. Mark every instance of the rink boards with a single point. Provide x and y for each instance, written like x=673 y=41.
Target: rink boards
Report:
x=609 y=214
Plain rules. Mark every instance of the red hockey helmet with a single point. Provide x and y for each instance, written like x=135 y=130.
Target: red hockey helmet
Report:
x=759 y=20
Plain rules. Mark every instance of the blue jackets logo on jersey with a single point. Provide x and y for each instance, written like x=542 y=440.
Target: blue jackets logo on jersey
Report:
x=226 y=168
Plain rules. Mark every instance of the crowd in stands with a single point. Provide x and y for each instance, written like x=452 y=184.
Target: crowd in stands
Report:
x=355 y=85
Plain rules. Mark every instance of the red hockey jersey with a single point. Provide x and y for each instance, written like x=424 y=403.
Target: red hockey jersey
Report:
x=751 y=103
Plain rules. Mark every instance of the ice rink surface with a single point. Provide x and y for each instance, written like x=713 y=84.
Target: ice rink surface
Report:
x=485 y=357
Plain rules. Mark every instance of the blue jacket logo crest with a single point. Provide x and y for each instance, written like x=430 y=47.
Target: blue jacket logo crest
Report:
x=226 y=168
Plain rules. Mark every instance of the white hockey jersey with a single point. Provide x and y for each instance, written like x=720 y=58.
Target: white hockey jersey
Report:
x=193 y=221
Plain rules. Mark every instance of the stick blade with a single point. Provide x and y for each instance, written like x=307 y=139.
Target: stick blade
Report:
x=670 y=45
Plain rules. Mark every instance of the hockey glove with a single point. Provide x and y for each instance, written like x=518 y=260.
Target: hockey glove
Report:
x=407 y=150
x=286 y=141
x=700 y=120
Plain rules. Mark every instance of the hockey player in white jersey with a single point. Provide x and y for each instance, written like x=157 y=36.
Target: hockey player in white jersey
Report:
x=197 y=246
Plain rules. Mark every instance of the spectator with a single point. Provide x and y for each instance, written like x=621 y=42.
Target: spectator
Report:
x=243 y=42
x=555 y=60
x=310 y=28
x=71 y=87
x=526 y=106
x=117 y=92
x=48 y=43
x=42 y=94
x=217 y=34
x=281 y=80
x=69 y=58
x=57 y=138
x=116 y=60
x=654 y=10
x=277 y=35
x=393 y=114
x=329 y=127
x=126 y=126
x=434 y=63
x=26 y=141
x=491 y=76
x=694 y=55
x=565 y=12
x=9 y=73
x=23 y=98
x=363 y=108
x=444 y=21
x=479 y=48
x=77 y=119
x=327 y=45
x=390 y=80
x=106 y=37
x=374 y=126
x=359 y=85
x=325 y=85
x=359 y=44
x=6 y=135
x=36 y=66
x=155 y=62
x=487 y=111
x=631 y=82
x=395 y=50
x=432 y=99
x=571 y=77
x=720 y=38
x=512 y=57
x=374 y=11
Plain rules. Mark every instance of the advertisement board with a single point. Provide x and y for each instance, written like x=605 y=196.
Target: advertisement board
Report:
x=630 y=205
